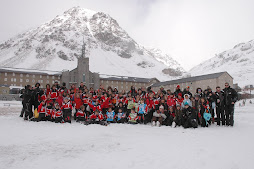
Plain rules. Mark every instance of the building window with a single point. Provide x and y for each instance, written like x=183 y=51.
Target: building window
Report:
x=84 y=77
x=14 y=79
x=21 y=80
x=33 y=76
x=21 y=75
x=41 y=81
x=47 y=76
x=41 y=86
x=27 y=80
x=59 y=77
x=107 y=81
x=52 y=82
x=40 y=76
x=21 y=85
x=53 y=77
x=47 y=81
x=122 y=87
x=11 y=79
x=116 y=82
x=5 y=79
x=121 y=82
x=27 y=75
x=33 y=80
x=13 y=74
x=5 y=74
x=101 y=81
x=126 y=87
x=112 y=82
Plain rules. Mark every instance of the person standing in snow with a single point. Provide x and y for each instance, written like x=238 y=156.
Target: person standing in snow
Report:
x=219 y=100
x=230 y=97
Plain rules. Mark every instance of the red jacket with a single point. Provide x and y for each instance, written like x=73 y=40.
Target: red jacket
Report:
x=171 y=102
x=53 y=94
x=98 y=107
x=41 y=108
x=150 y=103
x=57 y=113
x=78 y=102
x=96 y=117
x=67 y=105
x=80 y=113
x=59 y=100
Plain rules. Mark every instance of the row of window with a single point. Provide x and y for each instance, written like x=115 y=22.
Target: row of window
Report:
x=112 y=82
x=27 y=75
x=26 y=80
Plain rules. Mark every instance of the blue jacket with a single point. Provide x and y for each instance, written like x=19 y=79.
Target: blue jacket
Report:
x=110 y=116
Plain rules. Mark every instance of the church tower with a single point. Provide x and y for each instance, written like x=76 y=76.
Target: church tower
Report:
x=83 y=74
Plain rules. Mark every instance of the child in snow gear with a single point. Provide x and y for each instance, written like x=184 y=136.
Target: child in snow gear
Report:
x=81 y=114
x=133 y=116
x=67 y=110
x=142 y=110
x=121 y=116
x=158 y=116
x=96 y=118
x=110 y=116
x=189 y=117
x=58 y=114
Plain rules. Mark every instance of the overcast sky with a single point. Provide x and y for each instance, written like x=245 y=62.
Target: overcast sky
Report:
x=190 y=30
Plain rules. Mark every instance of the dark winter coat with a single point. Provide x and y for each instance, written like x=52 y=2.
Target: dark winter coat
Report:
x=219 y=99
x=230 y=95
x=187 y=92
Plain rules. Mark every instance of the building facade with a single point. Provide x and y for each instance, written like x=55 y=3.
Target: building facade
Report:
x=211 y=80
x=23 y=77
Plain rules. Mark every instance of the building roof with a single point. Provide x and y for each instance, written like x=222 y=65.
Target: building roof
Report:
x=126 y=78
x=190 y=79
x=29 y=71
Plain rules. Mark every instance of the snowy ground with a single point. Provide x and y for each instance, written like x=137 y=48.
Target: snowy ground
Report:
x=25 y=145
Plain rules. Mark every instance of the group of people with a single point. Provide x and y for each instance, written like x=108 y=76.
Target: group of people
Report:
x=104 y=106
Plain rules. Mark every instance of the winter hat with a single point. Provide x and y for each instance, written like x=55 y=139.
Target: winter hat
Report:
x=178 y=86
x=180 y=94
x=186 y=103
x=161 y=87
x=178 y=105
x=161 y=107
x=188 y=87
x=187 y=95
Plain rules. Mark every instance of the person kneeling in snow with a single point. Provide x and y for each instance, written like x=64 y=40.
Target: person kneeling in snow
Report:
x=158 y=116
x=189 y=117
x=110 y=116
x=96 y=118
x=133 y=117
x=42 y=111
x=67 y=110
x=58 y=114
x=121 y=116
x=81 y=114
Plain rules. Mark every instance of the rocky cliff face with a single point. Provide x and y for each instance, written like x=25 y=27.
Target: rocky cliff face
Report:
x=56 y=45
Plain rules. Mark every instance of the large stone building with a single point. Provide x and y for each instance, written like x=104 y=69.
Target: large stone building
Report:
x=211 y=80
x=22 y=77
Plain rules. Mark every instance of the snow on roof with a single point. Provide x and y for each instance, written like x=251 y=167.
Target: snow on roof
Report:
x=29 y=71
x=126 y=78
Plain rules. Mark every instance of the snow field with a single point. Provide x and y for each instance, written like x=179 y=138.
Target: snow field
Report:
x=39 y=145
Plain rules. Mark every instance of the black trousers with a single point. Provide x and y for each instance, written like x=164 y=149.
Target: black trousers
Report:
x=28 y=110
x=122 y=120
x=67 y=115
x=220 y=115
x=141 y=118
x=58 y=119
x=149 y=116
x=168 y=121
x=42 y=117
x=229 y=112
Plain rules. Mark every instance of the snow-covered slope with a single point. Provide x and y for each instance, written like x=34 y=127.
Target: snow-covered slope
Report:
x=239 y=62
x=56 y=45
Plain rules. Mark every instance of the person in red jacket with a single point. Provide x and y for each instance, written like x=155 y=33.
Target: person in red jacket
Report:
x=47 y=89
x=42 y=111
x=54 y=93
x=67 y=110
x=179 y=99
x=97 y=106
x=171 y=102
x=49 y=111
x=59 y=99
x=58 y=114
x=96 y=118
x=151 y=108
x=77 y=102
x=81 y=114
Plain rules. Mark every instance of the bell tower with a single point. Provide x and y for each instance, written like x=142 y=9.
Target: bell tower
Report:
x=83 y=74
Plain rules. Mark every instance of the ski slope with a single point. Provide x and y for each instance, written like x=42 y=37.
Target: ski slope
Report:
x=40 y=145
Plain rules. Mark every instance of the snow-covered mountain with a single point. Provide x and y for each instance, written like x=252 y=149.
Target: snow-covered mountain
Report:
x=56 y=45
x=238 y=62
